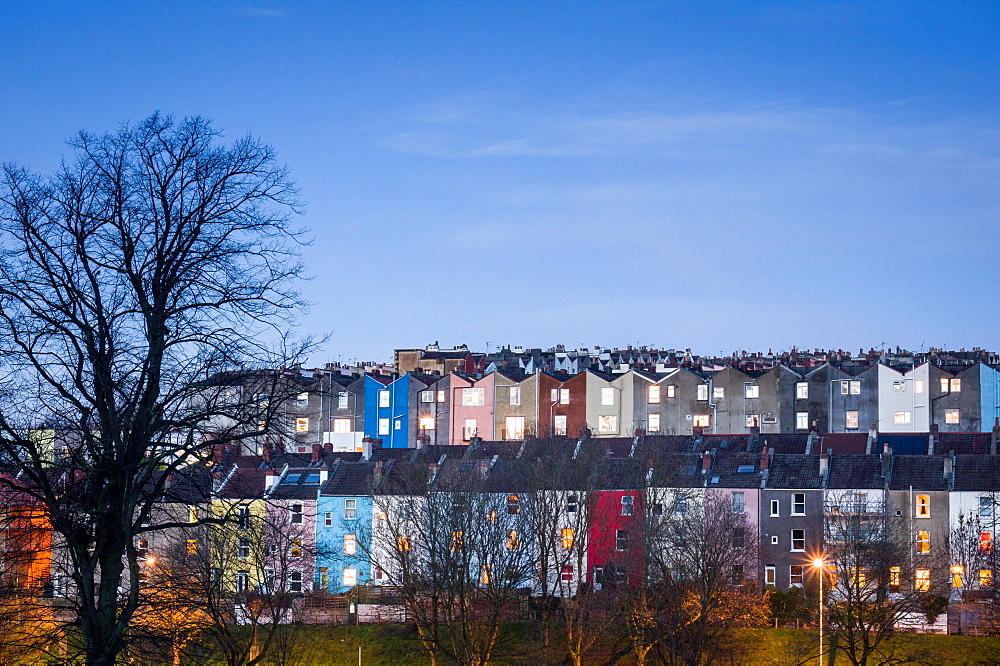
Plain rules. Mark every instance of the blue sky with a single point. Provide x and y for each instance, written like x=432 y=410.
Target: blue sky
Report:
x=718 y=176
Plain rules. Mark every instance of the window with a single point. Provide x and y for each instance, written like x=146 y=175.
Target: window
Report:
x=295 y=549
x=901 y=417
x=383 y=426
x=142 y=550
x=324 y=578
x=775 y=508
x=751 y=391
x=860 y=503
x=951 y=416
x=492 y=516
x=263 y=399
x=923 y=580
x=653 y=394
x=397 y=425
x=798 y=504
x=899 y=387
x=192 y=547
x=350 y=544
x=774 y=540
x=957 y=572
x=328 y=518
x=702 y=392
x=852 y=387
x=457 y=541
x=701 y=420
x=484 y=574
x=441 y=396
x=426 y=423
x=753 y=420
x=383 y=399
x=718 y=392
x=427 y=396
x=795 y=575
x=739 y=537
x=985 y=507
x=513 y=505
x=802 y=390
x=681 y=506
x=512 y=541
x=985 y=578
x=986 y=542
x=470 y=429
x=403 y=544
x=242 y=581
x=571 y=503
x=514 y=427
x=918 y=386
x=295 y=581
x=473 y=397
x=894 y=578
x=515 y=395
x=654 y=423
x=295 y=514
x=243 y=548
x=802 y=420
x=607 y=395
x=563 y=396
x=302 y=400
x=607 y=423
x=342 y=426
x=956 y=385
x=621 y=540
x=736 y=574
x=798 y=540
x=350 y=509
x=923 y=506
x=628 y=505
x=566 y=573
x=923 y=542
x=350 y=577
x=671 y=390
x=851 y=421
x=567 y=537
x=243 y=517
x=768 y=574
x=342 y=399
x=559 y=425
x=738 y=502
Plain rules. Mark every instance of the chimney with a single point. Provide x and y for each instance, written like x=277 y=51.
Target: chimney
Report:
x=328 y=447
x=765 y=459
x=706 y=462
x=697 y=431
x=995 y=437
x=317 y=453
x=824 y=464
x=932 y=439
x=377 y=473
x=872 y=439
x=754 y=431
x=266 y=452
x=949 y=465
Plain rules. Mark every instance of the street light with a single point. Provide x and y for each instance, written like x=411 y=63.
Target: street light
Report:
x=819 y=564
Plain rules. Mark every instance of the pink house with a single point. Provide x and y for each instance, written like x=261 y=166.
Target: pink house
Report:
x=471 y=407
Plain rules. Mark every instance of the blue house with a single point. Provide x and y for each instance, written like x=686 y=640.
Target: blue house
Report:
x=344 y=526
x=391 y=408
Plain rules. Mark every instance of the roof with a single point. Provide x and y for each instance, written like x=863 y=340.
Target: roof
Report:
x=244 y=484
x=735 y=469
x=784 y=443
x=728 y=442
x=855 y=471
x=352 y=478
x=963 y=442
x=797 y=471
x=842 y=443
x=904 y=445
x=486 y=450
x=918 y=472
x=974 y=472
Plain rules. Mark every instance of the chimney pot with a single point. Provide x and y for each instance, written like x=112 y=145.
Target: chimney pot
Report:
x=706 y=461
x=765 y=460
x=317 y=452
x=824 y=463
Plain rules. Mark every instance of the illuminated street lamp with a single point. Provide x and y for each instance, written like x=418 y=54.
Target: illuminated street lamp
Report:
x=819 y=564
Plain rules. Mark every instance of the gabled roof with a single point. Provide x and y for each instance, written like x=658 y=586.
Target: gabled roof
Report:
x=404 y=479
x=507 y=450
x=963 y=442
x=974 y=472
x=390 y=454
x=608 y=447
x=244 y=484
x=678 y=470
x=855 y=471
x=355 y=478
x=725 y=442
x=918 y=472
x=842 y=443
x=784 y=443
x=735 y=469
x=794 y=471
x=904 y=444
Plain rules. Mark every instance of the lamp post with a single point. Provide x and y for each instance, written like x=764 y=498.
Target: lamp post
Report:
x=820 y=564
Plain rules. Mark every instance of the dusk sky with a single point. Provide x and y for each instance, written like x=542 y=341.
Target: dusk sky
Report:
x=719 y=176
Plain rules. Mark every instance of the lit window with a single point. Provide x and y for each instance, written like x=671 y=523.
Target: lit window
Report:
x=918 y=386
x=350 y=577
x=567 y=537
x=621 y=540
x=350 y=544
x=485 y=575
x=944 y=385
x=769 y=574
x=851 y=421
x=403 y=544
x=951 y=416
x=559 y=425
x=513 y=505
x=426 y=423
x=607 y=395
x=302 y=424
x=718 y=392
x=894 y=578
x=515 y=427
x=956 y=385
x=986 y=542
x=383 y=426
x=957 y=573
x=985 y=578
x=192 y=546
x=901 y=417
x=515 y=395
x=492 y=516
x=923 y=542
x=654 y=423
x=795 y=575
x=738 y=502
x=753 y=420
x=899 y=387
x=607 y=423
x=563 y=396
x=192 y=513
x=671 y=390
x=702 y=392
x=701 y=420
x=798 y=504
x=775 y=508
x=342 y=399
x=566 y=573
x=342 y=426
x=855 y=387
x=751 y=391
x=296 y=547
x=383 y=399
x=858 y=576
x=923 y=580
x=653 y=394
x=350 y=509
x=427 y=396
x=457 y=540
x=628 y=505
x=512 y=541
x=923 y=506
x=802 y=391
x=470 y=429
x=441 y=396
x=324 y=578
x=295 y=514
x=473 y=397
x=801 y=420
x=798 y=540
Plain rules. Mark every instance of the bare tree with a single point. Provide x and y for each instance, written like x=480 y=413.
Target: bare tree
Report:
x=152 y=262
